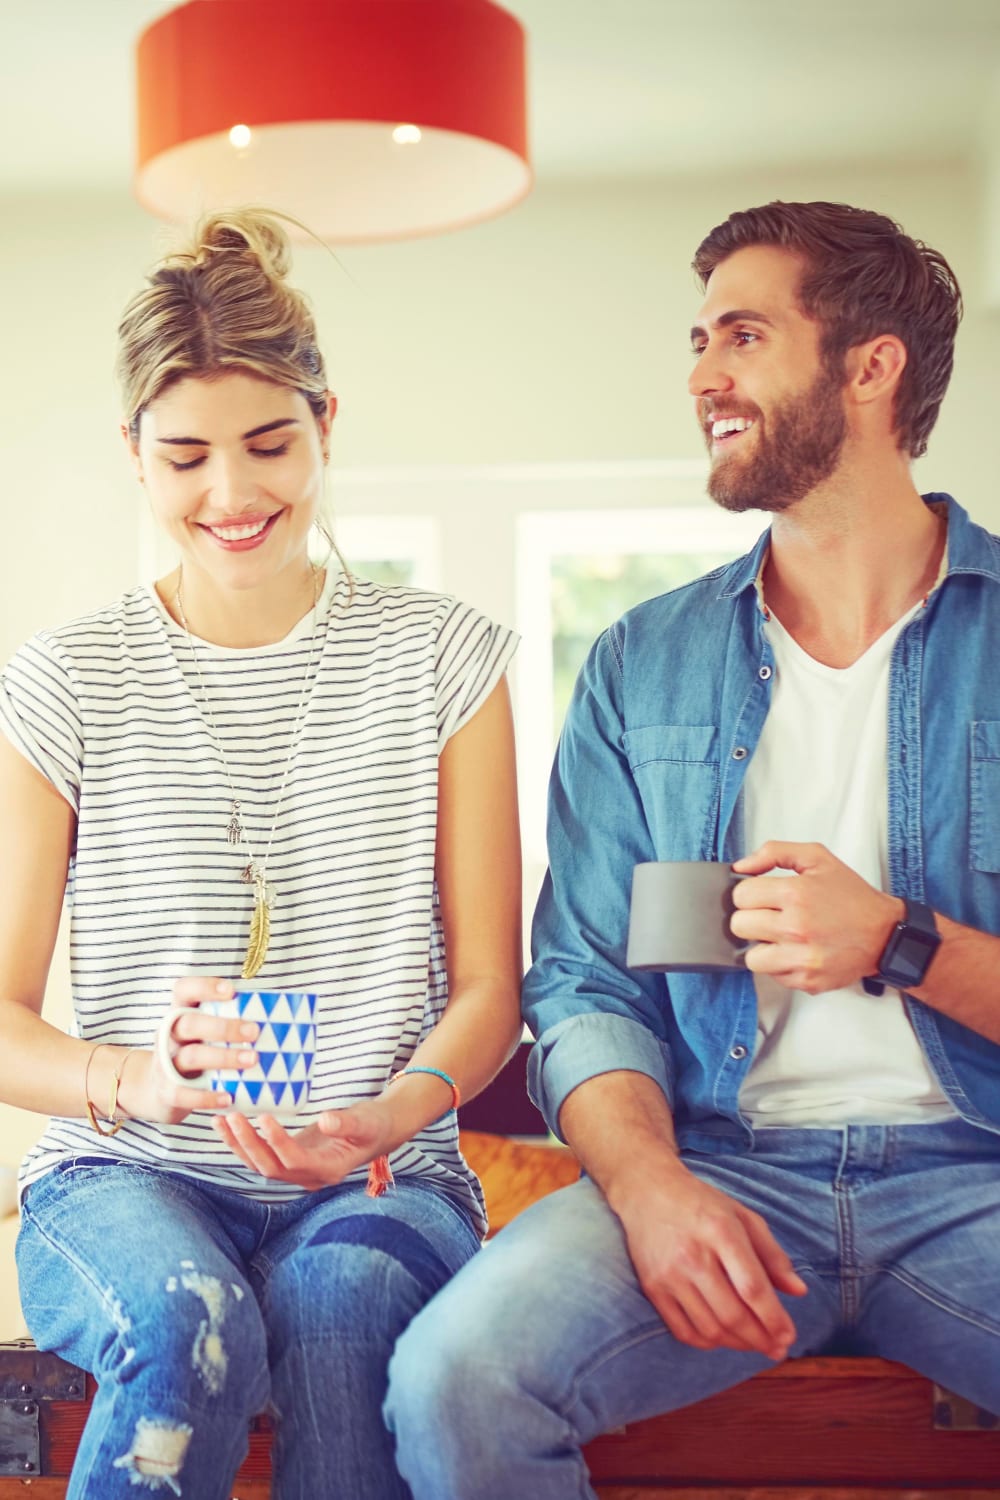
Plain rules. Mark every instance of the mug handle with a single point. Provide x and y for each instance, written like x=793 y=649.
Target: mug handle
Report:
x=167 y=1049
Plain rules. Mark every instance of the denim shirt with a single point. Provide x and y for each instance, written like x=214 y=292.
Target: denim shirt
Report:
x=665 y=718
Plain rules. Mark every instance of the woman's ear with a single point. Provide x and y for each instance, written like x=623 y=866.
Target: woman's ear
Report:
x=132 y=445
x=326 y=422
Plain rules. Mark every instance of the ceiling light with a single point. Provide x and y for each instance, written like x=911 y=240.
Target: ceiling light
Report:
x=321 y=87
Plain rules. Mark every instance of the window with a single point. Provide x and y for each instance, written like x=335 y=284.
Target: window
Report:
x=577 y=571
x=388 y=549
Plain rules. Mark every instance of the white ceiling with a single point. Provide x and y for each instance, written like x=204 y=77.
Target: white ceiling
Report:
x=618 y=87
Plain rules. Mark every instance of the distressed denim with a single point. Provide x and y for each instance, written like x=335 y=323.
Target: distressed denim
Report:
x=545 y=1340
x=195 y=1308
x=664 y=721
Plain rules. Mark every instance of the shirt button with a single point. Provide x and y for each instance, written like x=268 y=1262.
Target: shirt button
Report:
x=738 y=1053
x=740 y=753
x=764 y=673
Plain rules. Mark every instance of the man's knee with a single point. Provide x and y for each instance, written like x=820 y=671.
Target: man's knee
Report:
x=443 y=1378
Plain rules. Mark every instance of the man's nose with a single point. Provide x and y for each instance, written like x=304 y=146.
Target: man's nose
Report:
x=709 y=374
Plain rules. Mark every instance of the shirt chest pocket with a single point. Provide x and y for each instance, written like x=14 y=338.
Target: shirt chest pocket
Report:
x=676 y=771
x=984 y=807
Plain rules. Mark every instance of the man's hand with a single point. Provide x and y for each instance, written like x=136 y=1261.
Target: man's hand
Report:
x=820 y=928
x=710 y=1266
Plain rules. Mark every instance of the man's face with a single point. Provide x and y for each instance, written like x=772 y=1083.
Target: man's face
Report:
x=770 y=407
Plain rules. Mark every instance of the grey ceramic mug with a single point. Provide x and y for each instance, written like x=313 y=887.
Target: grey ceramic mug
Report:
x=680 y=915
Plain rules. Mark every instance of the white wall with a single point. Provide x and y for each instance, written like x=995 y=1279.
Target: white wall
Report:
x=556 y=333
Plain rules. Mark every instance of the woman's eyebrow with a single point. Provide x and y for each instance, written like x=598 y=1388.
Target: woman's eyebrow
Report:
x=197 y=442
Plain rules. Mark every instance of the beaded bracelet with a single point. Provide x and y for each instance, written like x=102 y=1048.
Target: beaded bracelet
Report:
x=456 y=1093
x=380 y=1173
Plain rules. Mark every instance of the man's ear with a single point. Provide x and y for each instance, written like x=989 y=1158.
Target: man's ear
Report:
x=875 y=368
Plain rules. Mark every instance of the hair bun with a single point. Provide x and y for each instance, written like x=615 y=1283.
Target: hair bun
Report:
x=243 y=231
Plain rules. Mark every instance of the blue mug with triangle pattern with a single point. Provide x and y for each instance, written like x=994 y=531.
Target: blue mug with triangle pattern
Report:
x=285 y=1048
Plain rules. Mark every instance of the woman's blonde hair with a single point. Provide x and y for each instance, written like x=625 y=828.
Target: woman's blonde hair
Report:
x=221 y=304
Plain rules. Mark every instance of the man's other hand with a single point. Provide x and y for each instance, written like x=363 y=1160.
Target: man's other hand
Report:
x=710 y=1266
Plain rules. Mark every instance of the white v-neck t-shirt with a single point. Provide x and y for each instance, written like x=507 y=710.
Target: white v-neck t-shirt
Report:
x=819 y=775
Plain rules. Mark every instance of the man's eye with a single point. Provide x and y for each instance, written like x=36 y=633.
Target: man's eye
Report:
x=270 y=452
x=192 y=463
x=744 y=336
x=697 y=350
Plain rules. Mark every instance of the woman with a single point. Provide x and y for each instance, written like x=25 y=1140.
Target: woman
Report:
x=252 y=738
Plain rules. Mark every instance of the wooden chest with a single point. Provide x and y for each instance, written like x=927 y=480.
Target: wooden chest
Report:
x=817 y=1429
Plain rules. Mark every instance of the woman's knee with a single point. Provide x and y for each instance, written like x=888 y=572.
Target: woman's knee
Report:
x=199 y=1335
x=359 y=1279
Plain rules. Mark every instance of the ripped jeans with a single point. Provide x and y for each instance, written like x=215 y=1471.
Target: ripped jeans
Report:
x=196 y=1307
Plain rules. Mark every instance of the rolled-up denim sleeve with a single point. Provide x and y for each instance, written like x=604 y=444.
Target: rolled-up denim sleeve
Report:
x=589 y=1013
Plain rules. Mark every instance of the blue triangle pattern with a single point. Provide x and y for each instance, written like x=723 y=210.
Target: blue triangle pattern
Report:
x=266 y=1060
x=281 y=1030
x=253 y=1089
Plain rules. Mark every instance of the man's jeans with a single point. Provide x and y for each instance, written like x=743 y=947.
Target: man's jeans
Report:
x=545 y=1340
x=194 y=1306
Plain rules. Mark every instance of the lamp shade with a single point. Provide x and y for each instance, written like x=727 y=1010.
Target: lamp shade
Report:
x=366 y=119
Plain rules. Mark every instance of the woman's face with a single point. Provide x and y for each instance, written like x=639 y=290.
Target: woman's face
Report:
x=233 y=467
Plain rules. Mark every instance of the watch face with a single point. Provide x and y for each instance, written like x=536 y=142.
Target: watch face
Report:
x=909 y=955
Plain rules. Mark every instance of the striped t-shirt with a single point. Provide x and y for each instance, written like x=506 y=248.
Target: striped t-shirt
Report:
x=111 y=710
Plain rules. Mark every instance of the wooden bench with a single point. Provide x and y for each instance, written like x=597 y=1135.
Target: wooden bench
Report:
x=811 y=1429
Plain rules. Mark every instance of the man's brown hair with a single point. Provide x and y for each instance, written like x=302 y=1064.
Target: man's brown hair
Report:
x=863 y=277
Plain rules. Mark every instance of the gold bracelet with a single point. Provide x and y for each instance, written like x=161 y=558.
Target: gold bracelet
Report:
x=112 y=1118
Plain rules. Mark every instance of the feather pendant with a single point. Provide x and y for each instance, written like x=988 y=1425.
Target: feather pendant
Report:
x=260 y=935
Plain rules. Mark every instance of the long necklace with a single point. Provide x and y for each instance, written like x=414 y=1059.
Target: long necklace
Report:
x=255 y=871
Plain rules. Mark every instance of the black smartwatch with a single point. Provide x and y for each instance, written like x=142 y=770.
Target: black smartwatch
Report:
x=907 y=955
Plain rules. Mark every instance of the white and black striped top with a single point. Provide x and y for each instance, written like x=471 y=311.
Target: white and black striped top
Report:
x=107 y=708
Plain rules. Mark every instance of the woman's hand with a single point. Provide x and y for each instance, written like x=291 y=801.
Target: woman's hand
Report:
x=191 y=1042
x=319 y=1156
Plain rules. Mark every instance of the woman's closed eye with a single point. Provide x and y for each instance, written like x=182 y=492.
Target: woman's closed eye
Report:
x=193 y=463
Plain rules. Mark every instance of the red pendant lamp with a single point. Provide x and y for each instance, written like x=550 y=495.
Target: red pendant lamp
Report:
x=366 y=119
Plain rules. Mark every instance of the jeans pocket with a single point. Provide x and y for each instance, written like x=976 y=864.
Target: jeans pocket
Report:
x=984 y=798
x=676 y=771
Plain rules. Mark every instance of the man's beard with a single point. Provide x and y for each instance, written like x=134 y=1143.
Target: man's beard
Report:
x=799 y=449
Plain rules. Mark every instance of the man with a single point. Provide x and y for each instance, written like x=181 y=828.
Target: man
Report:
x=802 y=1155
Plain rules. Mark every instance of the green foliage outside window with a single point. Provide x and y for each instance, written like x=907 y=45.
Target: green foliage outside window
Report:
x=383 y=569
x=589 y=592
